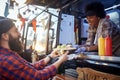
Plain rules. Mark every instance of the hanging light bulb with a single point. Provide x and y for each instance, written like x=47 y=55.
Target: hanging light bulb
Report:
x=20 y=1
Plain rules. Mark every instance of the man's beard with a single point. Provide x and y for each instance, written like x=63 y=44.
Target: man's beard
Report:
x=15 y=44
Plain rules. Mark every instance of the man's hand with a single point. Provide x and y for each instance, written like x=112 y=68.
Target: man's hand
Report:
x=54 y=53
x=61 y=59
x=64 y=56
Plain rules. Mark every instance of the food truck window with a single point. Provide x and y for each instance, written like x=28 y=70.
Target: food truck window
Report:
x=115 y=16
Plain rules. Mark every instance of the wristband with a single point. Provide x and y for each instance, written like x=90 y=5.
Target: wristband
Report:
x=50 y=57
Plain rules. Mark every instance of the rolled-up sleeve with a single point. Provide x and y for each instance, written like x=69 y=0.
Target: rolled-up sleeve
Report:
x=39 y=65
x=16 y=68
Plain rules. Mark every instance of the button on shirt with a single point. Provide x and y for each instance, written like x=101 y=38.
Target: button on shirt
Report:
x=13 y=67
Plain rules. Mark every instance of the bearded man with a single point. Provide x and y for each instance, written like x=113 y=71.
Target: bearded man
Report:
x=13 y=66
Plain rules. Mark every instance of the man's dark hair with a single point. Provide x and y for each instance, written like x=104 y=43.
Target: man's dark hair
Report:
x=5 y=25
x=95 y=8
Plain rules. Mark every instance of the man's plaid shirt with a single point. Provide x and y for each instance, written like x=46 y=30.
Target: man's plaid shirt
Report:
x=13 y=67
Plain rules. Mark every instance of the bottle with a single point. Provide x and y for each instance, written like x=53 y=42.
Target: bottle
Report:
x=108 y=46
x=101 y=46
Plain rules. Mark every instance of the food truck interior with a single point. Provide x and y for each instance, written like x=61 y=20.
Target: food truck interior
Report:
x=48 y=24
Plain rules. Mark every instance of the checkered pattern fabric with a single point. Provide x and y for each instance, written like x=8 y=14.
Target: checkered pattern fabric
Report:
x=13 y=67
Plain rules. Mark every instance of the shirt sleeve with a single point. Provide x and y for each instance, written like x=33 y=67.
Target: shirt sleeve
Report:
x=16 y=68
x=107 y=29
x=39 y=65
x=104 y=29
x=91 y=35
